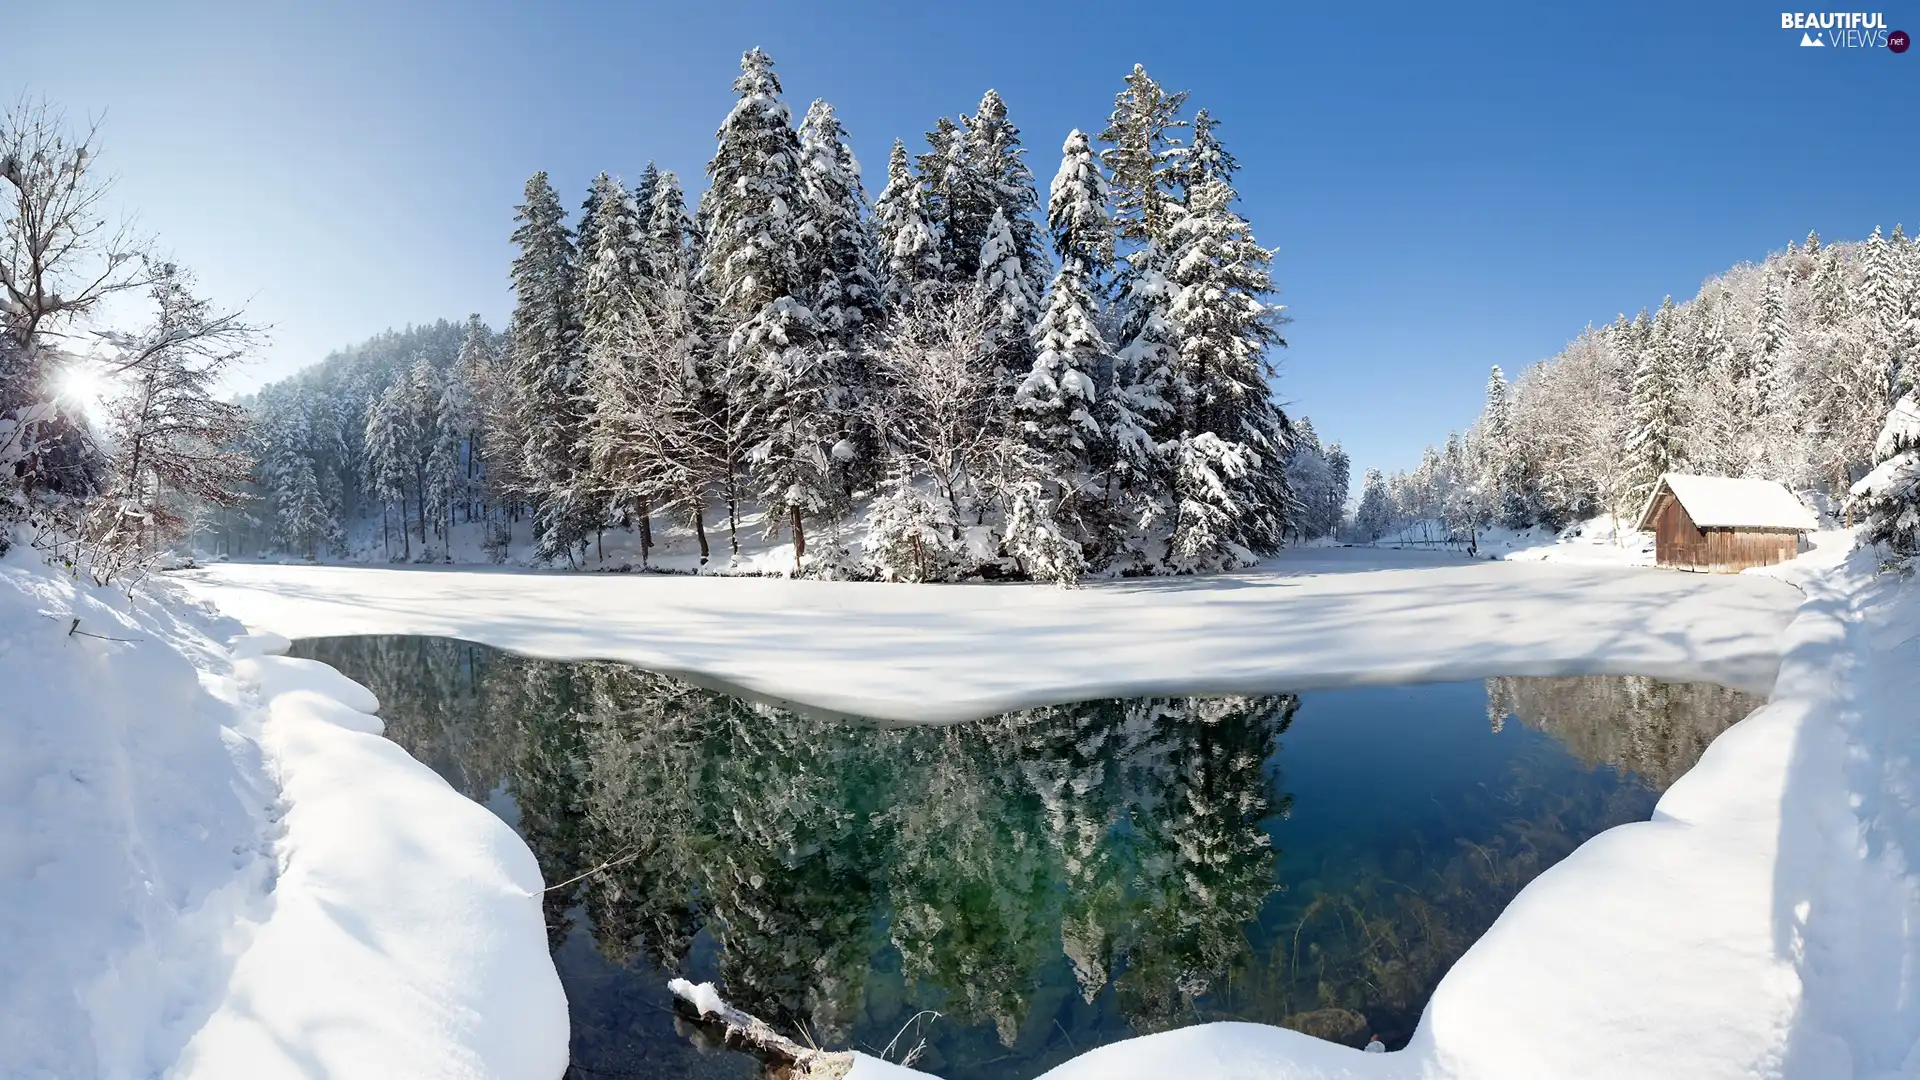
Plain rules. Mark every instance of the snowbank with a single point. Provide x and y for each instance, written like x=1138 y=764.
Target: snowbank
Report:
x=406 y=937
x=217 y=868
x=1315 y=618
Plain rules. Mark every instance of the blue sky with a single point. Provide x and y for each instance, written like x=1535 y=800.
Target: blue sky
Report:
x=1450 y=186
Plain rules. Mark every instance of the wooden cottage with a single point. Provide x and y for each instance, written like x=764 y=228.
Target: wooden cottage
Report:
x=1722 y=525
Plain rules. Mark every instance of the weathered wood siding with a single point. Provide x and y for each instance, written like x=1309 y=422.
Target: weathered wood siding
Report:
x=1678 y=542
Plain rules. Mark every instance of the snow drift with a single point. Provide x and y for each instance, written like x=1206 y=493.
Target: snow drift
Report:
x=215 y=867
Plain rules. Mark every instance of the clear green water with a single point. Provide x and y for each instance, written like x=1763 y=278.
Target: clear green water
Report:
x=1047 y=880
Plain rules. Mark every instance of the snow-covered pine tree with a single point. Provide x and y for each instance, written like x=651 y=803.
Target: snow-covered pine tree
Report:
x=1890 y=494
x=389 y=435
x=1375 y=514
x=616 y=280
x=642 y=196
x=546 y=361
x=909 y=250
x=667 y=257
x=998 y=159
x=1055 y=402
x=1141 y=152
x=958 y=201
x=1141 y=159
x=443 y=479
x=1229 y=490
x=778 y=380
x=1005 y=286
x=1204 y=159
x=1884 y=303
x=1339 y=485
x=1654 y=443
x=1504 y=482
x=613 y=258
x=840 y=284
x=1772 y=335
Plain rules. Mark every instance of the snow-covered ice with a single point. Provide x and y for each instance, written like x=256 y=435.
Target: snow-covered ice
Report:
x=214 y=867
x=1315 y=618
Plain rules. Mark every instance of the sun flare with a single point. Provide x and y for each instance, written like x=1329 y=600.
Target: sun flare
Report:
x=85 y=385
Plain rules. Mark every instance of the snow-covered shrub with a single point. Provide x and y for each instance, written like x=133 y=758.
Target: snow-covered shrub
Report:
x=1036 y=540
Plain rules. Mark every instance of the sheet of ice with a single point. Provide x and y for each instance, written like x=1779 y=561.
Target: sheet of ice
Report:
x=1314 y=618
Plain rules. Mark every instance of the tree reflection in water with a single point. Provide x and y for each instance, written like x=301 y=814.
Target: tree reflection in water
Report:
x=1049 y=880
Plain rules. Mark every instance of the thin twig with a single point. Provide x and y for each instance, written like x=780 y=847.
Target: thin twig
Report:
x=608 y=865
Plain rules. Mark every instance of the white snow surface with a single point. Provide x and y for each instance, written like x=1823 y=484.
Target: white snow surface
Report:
x=1313 y=618
x=215 y=867
x=1732 y=502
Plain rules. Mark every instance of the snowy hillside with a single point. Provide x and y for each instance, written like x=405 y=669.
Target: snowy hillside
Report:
x=215 y=867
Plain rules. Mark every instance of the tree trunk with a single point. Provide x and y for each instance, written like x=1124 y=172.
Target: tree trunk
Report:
x=799 y=542
x=733 y=514
x=406 y=540
x=646 y=531
x=700 y=532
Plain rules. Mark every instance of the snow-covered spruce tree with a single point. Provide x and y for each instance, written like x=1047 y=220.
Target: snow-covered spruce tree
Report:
x=909 y=250
x=1884 y=303
x=547 y=361
x=958 y=200
x=1890 y=494
x=1055 y=402
x=642 y=194
x=613 y=262
x=389 y=436
x=1375 y=514
x=1340 y=483
x=1144 y=157
x=1654 y=442
x=1228 y=466
x=1006 y=291
x=615 y=281
x=476 y=371
x=666 y=257
x=779 y=377
x=1502 y=477
x=1141 y=155
x=1012 y=266
x=840 y=284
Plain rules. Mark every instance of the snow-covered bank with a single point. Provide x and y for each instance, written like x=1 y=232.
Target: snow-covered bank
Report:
x=217 y=868
x=1314 y=618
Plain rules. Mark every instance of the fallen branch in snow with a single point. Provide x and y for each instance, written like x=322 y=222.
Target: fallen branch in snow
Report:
x=796 y=1062
x=73 y=630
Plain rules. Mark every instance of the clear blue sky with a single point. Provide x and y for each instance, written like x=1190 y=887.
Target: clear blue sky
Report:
x=1450 y=186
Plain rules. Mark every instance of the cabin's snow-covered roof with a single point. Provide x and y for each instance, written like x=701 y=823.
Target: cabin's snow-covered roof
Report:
x=1723 y=502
